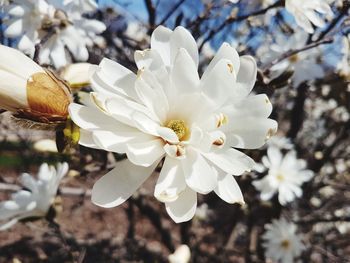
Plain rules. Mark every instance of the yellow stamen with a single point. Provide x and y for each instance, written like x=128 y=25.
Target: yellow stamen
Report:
x=179 y=127
x=221 y=120
x=280 y=177
x=285 y=244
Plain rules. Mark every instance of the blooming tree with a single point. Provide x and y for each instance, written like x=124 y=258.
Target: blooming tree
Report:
x=231 y=114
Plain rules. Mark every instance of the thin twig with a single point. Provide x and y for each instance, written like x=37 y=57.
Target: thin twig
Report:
x=172 y=10
x=232 y=19
x=335 y=21
x=296 y=51
x=151 y=14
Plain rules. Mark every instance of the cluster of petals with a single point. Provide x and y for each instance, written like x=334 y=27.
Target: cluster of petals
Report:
x=61 y=22
x=36 y=198
x=166 y=114
x=308 y=12
x=281 y=242
x=285 y=175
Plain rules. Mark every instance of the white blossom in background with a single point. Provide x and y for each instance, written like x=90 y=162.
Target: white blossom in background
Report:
x=285 y=176
x=343 y=67
x=167 y=111
x=304 y=64
x=281 y=242
x=31 y=21
x=280 y=142
x=45 y=145
x=308 y=12
x=37 y=197
x=181 y=255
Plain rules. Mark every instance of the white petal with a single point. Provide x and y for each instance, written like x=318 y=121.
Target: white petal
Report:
x=199 y=174
x=14 y=29
x=247 y=73
x=185 y=78
x=160 y=41
x=182 y=38
x=148 y=58
x=224 y=52
x=171 y=181
x=15 y=62
x=114 y=78
x=87 y=140
x=118 y=185
x=231 y=161
x=220 y=82
x=184 y=207
x=145 y=153
x=89 y=118
x=13 y=91
x=145 y=124
x=228 y=189
x=250 y=132
x=116 y=141
x=275 y=156
x=252 y=106
x=58 y=54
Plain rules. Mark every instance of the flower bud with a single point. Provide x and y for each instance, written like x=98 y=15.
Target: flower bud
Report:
x=30 y=91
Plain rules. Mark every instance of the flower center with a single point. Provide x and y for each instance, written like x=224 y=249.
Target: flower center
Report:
x=179 y=127
x=285 y=244
x=294 y=58
x=280 y=177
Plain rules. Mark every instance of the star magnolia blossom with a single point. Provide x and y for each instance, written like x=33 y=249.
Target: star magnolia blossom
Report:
x=36 y=200
x=31 y=21
x=181 y=255
x=281 y=242
x=286 y=174
x=29 y=90
x=167 y=112
x=305 y=12
x=305 y=64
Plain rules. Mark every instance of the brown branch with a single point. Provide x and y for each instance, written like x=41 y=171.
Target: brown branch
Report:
x=232 y=19
x=343 y=12
x=172 y=10
x=151 y=15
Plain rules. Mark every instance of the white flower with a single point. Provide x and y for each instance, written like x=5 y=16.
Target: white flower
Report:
x=181 y=255
x=305 y=12
x=45 y=145
x=29 y=90
x=166 y=110
x=282 y=244
x=32 y=21
x=280 y=142
x=37 y=197
x=285 y=175
x=305 y=64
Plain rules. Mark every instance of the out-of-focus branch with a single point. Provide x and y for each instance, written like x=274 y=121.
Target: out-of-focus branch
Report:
x=335 y=21
x=231 y=19
x=171 y=11
x=65 y=191
x=298 y=111
x=151 y=15
x=38 y=46
x=296 y=51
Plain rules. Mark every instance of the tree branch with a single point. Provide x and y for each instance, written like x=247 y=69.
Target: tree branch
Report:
x=232 y=19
